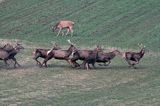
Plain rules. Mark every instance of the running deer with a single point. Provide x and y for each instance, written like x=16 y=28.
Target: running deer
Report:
x=82 y=55
x=42 y=53
x=64 y=24
x=107 y=57
x=133 y=58
x=60 y=54
x=10 y=55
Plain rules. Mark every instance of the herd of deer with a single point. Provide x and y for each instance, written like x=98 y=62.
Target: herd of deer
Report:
x=72 y=54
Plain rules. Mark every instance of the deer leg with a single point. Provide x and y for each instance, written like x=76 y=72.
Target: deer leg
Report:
x=62 y=33
x=69 y=61
x=134 y=63
x=73 y=60
x=67 y=32
x=93 y=65
x=76 y=64
x=15 y=62
x=109 y=62
x=45 y=62
x=6 y=64
x=71 y=31
x=87 y=66
x=129 y=63
x=83 y=64
x=59 y=32
x=36 y=59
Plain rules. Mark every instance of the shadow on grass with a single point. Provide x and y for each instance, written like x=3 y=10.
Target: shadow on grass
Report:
x=69 y=67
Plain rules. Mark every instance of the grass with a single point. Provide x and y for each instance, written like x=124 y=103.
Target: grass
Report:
x=112 y=23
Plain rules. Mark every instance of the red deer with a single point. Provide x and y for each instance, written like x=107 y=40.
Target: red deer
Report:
x=7 y=55
x=107 y=57
x=60 y=54
x=91 y=58
x=133 y=58
x=64 y=24
x=82 y=55
x=43 y=53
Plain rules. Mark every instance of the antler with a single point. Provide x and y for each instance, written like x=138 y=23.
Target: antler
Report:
x=141 y=45
x=69 y=41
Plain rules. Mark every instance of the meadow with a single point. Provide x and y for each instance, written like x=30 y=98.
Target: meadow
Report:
x=120 y=24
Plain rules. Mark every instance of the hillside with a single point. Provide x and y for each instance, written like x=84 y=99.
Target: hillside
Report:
x=118 y=23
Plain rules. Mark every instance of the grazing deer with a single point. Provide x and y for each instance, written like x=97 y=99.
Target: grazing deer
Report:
x=64 y=24
x=133 y=58
x=60 y=54
x=43 y=53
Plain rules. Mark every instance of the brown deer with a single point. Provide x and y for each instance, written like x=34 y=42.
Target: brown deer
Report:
x=43 y=53
x=82 y=55
x=133 y=58
x=60 y=54
x=10 y=55
x=107 y=57
x=64 y=24
x=91 y=58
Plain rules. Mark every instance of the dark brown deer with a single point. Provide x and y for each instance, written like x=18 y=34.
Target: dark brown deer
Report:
x=42 y=53
x=133 y=58
x=82 y=55
x=60 y=54
x=91 y=59
x=64 y=24
x=107 y=57
x=10 y=55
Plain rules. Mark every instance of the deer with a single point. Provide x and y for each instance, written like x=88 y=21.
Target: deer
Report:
x=133 y=58
x=42 y=53
x=10 y=55
x=107 y=57
x=64 y=24
x=60 y=54
x=91 y=58
x=82 y=54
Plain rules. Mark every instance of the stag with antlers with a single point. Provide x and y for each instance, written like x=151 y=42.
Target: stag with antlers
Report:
x=60 y=54
x=133 y=58
x=42 y=53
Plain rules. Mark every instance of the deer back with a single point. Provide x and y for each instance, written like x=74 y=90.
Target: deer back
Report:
x=65 y=24
x=3 y=54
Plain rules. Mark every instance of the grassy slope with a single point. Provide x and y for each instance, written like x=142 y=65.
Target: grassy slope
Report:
x=118 y=23
x=112 y=22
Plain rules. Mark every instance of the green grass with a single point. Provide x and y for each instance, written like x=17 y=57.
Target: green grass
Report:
x=111 y=23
